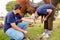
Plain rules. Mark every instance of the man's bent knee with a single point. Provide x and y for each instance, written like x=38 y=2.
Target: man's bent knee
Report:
x=20 y=37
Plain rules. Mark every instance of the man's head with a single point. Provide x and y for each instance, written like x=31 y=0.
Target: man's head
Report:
x=49 y=11
x=36 y=15
x=17 y=8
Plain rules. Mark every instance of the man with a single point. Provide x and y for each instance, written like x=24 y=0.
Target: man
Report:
x=13 y=26
x=46 y=10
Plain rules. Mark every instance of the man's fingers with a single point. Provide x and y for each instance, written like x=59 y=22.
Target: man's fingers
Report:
x=49 y=10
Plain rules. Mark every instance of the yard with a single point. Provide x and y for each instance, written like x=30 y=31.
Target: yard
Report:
x=36 y=31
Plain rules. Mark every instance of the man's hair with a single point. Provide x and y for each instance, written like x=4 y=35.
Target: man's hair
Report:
x=16 y=6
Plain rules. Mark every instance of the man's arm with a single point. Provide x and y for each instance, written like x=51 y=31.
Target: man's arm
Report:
x=49 y=11
x=28 y=20
x=17 y=28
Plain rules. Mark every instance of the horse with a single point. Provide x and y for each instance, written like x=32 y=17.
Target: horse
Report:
x=30 y=7
x=26 y=7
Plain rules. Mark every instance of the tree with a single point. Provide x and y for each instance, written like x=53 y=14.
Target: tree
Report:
x=9 y=5
x=57 y=9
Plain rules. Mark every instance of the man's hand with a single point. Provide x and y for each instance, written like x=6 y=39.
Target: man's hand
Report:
x=25 y=32
x=18 y=28
x=45 y=19
x=49 y=10
x=33 y=23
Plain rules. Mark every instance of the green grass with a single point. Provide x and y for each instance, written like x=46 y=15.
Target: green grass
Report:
x=36 y=31
x=3 y=36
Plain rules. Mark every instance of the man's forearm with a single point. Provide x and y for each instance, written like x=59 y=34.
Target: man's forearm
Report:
x=49 y=11
x=28 y=20
x=19 y=29
x=47 y=16
x=16 y=27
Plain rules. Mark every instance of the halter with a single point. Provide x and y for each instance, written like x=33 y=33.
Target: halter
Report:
x=35 y=4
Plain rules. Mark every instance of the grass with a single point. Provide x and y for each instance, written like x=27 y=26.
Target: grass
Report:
x=36 y=31
x=3 y=36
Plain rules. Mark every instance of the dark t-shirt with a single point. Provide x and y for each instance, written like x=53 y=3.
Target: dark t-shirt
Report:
x=11 y=18
x=42 y=10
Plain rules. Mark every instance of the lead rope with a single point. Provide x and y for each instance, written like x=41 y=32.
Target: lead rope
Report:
x=50 y=1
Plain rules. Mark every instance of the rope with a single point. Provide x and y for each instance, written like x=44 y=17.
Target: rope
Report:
x=50 y=1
